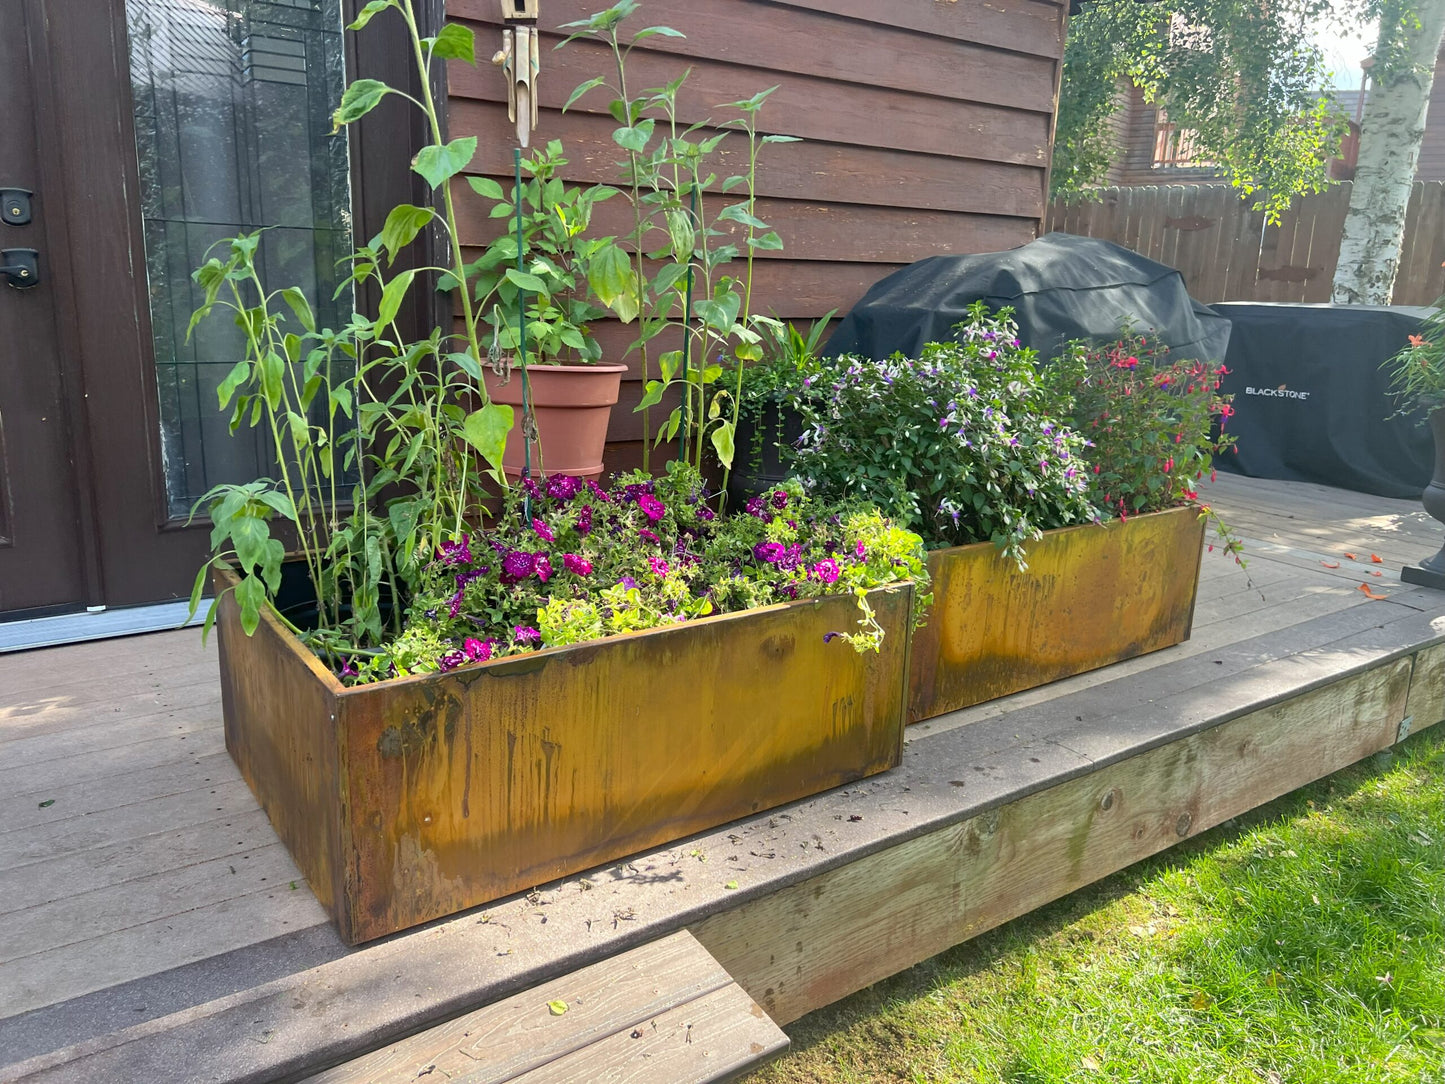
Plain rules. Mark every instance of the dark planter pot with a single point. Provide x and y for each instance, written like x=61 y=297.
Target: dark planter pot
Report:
x=778 y=424
x=1431 y=571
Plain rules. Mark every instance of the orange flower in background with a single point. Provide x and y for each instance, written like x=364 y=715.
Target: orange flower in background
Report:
x=1418 y=340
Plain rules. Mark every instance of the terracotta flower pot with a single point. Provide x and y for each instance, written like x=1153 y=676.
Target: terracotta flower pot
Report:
x=572 y=404
x=1431 y=571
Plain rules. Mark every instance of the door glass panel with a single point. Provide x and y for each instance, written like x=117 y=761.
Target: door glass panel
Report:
x=233 y=103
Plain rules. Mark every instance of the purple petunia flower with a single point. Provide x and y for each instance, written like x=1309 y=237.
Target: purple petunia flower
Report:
x=576 y=564
x=518 y=564
x=651 y=507
x=450 y=661
x=455 y=553
x=780 y=499
x=598 y=492
x=563 y=487
x=584 y=521
x=769 y=552
x=659 y=566
x=860 y=551
x=628 y=582
x=706 y=514
x=477 y=650
x=543 y=567
x=543 y=531
x=645 y=533
x=525 y=634
x=349 y=669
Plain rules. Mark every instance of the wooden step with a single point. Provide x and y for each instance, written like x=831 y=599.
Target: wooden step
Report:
x=664 y=1013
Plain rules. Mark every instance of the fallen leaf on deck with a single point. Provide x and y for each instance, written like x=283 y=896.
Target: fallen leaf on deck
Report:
x=556 y=1008
x=1330 y=564
x=731 y=885
x=1370 y=594
x=1374 y=573
x=1377 y=559
x=47 y=803
x=1351 y=556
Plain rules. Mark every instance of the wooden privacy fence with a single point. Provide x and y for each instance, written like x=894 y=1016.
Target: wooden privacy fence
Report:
x=1227 y=253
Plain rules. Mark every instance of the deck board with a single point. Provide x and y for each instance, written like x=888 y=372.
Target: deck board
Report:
x=124 y=877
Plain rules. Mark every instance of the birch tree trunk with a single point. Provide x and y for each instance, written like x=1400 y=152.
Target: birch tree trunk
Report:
x=1390 y=133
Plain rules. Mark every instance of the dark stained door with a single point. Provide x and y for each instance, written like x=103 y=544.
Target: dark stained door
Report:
x=42 y=552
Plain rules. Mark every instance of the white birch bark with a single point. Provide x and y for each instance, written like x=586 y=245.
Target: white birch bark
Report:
x=1390 y=134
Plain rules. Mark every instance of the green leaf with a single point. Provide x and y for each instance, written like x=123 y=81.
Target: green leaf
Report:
x=721 y=311
x=487 y=188
x=249 y=534
x=455 y=42
x=556 y=1008
x=651 y=396
x=652 y=31
x=197 y=589
x=437 y=163
x=251 y=594
x=402 y=226
x=274 y=498
x=582 y=88
x=486 y=430
x=360 y=98
x=614 y=280
x=234 y=379
x=669 y=277
x=635 y=137
x=392 y=296
x=373 y=8
x=781 y=139
x=738 y=212
x=467 y=364
x=273 y=371
x=524 y=280
x=669 y=363
x=296 y=298
x=770 y=241
x=748 y=352
x=682 y=234
x=340 y=396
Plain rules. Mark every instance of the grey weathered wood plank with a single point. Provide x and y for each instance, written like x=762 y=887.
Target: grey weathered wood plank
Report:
x=521 y=1034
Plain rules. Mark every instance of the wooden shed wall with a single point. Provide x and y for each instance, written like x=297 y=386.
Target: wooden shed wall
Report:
x=925 y=129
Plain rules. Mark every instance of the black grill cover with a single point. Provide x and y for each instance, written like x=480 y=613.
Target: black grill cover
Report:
x=1311 y=403
x=1061 y=286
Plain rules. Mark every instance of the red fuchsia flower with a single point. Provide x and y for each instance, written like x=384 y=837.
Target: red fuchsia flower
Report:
x=827 y=570
x=543 y=568
x=478 y=650
x=525 y=634
x=584 y=521
x=563 y=487
x=1169 y=465
x=576 y=564
x=1191 y=495
x=543 y=531
x=658 y=565
x=780 y=499
x=651 y=507
x=769 y=552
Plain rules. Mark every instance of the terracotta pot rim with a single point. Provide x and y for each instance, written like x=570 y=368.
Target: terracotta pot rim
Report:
x=536 y=367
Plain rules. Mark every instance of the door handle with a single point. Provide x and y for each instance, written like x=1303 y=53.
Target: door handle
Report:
x=20 y=267
x=15 y=206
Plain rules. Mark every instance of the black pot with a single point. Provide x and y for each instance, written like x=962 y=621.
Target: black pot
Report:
x=753 y=473
x=1431 y=571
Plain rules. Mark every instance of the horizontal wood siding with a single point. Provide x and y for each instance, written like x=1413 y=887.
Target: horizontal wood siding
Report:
x=1432 y=147
x=1226 y=252
x=925 y=129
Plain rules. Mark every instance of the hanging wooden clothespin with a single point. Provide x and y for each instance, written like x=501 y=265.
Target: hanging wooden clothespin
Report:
x=520 y=58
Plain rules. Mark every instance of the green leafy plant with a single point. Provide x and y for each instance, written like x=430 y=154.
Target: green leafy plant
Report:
x=767 y=389
x=1417 y=370
x=957 y=444
x=665 y=177
x=367 y=428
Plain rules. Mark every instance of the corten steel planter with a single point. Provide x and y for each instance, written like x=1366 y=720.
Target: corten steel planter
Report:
x=411 y=799
x=1092 y=595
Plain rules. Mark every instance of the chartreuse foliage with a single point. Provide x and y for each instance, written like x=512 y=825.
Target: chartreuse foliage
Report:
x=373 y=432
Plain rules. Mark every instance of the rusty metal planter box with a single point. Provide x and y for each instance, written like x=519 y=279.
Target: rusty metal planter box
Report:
x=1092 y=595
x=406 y=800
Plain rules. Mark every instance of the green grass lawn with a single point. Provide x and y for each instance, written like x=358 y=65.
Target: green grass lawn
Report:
x=1302 y=944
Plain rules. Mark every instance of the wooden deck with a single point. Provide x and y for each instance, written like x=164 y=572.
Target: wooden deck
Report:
x=155 y=928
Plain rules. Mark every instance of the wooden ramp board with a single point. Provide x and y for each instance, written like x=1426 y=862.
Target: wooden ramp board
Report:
x=665 y=1013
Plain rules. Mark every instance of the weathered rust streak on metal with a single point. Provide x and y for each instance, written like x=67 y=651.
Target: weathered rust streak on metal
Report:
x=1091 y=596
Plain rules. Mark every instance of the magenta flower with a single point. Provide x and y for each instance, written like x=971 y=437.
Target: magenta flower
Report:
x=860 y=551
x=645 y=533
x=576 y=564
x=659 y=566
x=543 y=531
x=584 y=521
x=780 y=499
x=769 y=552
x=518 y=564
x=525 y=634
x=477 y=650
x=651 y=507
x=543 y=568
x=827 y=570
x=563 y=487
x=598 y=492
x=450 y=661
x=706 y=514
x=455 y=553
